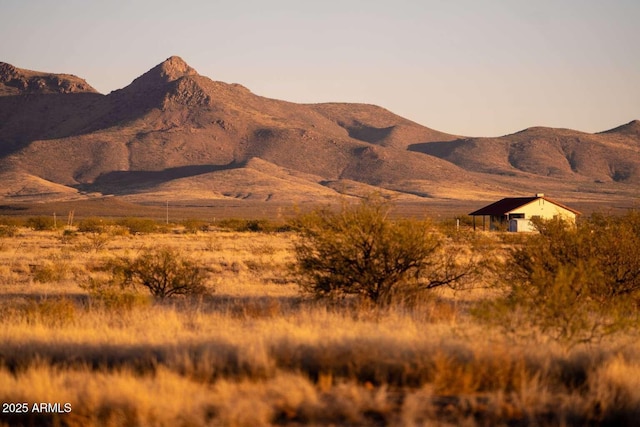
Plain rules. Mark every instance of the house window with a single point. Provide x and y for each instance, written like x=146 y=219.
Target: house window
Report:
x=516 y=215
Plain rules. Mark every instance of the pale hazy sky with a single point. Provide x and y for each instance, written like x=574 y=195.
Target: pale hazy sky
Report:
x=469 y=67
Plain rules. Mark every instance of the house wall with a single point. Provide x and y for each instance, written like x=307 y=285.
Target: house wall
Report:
x=521 y=225
x=544 y=209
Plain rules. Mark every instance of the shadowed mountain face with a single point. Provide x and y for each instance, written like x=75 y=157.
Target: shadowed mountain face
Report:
x=175 y=134
x=612 y=156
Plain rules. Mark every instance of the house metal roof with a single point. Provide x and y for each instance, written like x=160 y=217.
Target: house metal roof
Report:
x=508 y=204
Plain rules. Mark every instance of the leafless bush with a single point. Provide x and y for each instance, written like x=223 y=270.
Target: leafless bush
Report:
x=163 y=271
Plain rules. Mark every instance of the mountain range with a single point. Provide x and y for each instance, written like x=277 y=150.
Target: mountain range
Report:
x=173 y=134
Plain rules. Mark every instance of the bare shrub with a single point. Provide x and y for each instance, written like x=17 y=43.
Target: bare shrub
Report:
x=163 y=271
x=94 y=242
x=55 y=269
x=98 y=241
x=97 y=232
x=360 y=251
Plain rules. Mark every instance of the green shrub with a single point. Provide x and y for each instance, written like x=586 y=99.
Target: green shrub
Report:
x=606 y=248
x=360 y=251
x=575 y=283
x=41 y=223
x=139 y=225
x=195 y=225
x=12 y=221
x=459 y=223
x=93 y=225
x=163 y=271
x=253 y=225
x=98 y=234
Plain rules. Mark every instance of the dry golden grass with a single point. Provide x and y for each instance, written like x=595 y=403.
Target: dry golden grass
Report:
x=256 y=352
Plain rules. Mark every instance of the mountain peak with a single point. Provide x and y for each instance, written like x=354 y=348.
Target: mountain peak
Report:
x=167 y=71
x=631 y=129
x=7 y=72
x=173 y=68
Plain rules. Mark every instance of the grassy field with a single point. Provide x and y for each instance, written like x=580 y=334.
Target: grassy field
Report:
x=238 y=208
x=256 y=352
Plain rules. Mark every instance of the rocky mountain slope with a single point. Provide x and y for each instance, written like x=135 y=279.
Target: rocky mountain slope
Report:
x=174 y=134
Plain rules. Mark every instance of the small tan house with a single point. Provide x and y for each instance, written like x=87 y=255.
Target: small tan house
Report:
x=516 y=212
